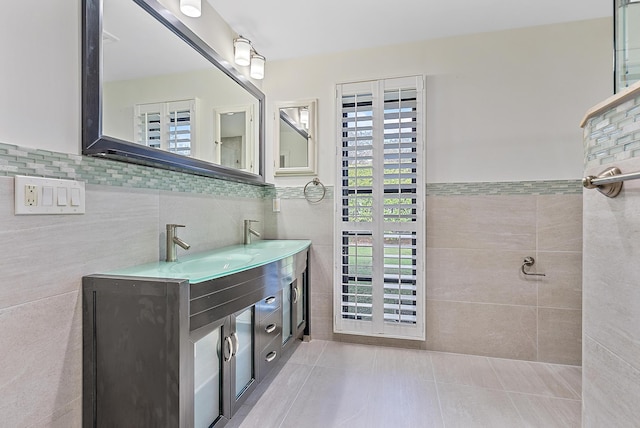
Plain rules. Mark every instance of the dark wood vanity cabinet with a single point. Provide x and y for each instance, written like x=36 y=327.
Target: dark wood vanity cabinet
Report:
x=167 y=353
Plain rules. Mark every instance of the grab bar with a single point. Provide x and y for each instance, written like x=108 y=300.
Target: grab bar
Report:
x=609 y=181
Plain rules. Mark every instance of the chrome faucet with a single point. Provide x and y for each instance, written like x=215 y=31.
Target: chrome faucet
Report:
x=248 y=231
x=172 y=240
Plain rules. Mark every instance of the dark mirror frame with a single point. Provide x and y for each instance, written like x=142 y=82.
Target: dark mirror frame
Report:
x=94 y=143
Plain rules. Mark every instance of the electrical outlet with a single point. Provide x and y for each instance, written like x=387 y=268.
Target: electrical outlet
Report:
x=40 y=195
x=30 y=195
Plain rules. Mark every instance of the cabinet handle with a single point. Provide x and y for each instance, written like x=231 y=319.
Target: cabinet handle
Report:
x=269 y=300
x=270 y=328
x=270 y=356
x=228 y=349
x=295 y=294
x=237 y=347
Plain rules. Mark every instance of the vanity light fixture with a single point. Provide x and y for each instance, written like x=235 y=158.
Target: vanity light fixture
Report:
x=191 y=8
x=242 y=48
x=257 y=66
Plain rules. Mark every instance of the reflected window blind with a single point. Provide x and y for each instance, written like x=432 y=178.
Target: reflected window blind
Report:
x=167 y=126
x=380 y=221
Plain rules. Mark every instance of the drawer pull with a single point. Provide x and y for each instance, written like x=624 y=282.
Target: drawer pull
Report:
x=269 y=300
x=295 y=294
x=270 y=356
x=270 y=328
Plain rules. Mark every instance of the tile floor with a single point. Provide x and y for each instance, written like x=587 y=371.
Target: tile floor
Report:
x=331 y=384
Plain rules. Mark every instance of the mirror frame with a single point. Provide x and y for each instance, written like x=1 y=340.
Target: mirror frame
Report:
x=95 y=143
x=312 y=146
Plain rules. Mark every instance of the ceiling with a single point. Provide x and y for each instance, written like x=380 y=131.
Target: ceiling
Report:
x=293 y=29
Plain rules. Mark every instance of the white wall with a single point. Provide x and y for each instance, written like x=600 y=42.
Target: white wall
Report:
x=501 y=106
x=40 y=72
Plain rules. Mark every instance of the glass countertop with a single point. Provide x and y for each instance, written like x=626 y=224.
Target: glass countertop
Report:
x=200 y=267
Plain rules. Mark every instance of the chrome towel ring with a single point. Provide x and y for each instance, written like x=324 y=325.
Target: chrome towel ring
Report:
x=310 y=198
x=528 y=262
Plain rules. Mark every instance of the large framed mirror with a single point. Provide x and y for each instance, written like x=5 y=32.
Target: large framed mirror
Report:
x=626 y=36
x=295 y=138
x=152 y=90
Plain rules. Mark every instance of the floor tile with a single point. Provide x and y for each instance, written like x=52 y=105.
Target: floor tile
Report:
x=466 y=406
x=308 y=352
x=405 y=363
x=531 y=378
x=270 y=402
x=572 y=375
x=546 y=412
x=347 y=356
x=461 y=369
x=401 y=402
x=330 y=398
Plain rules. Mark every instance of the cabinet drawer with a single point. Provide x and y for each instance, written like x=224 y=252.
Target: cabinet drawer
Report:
x=268 y=305
x=269 y=356
x=269 y=328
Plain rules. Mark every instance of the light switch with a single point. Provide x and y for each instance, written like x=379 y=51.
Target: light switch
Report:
x=47 y=196
x=41 y=195
x=75 y=197
x=62 y=197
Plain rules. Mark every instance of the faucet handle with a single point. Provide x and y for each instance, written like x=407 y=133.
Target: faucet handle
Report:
x=173 y=226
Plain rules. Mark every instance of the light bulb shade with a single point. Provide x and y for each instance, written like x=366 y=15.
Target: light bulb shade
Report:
x=242 y=48
x=257 y=66
x=191 y=8
x=304 y=118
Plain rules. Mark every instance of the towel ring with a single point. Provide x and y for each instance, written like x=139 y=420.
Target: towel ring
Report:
x=315 y=182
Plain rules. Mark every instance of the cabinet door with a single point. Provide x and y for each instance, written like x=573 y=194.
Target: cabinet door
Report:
x=243 y=362
x=299 y=302
x=287 y=321
x=210 y=350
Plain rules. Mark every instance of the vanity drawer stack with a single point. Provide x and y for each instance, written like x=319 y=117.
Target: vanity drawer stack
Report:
x=269 y=332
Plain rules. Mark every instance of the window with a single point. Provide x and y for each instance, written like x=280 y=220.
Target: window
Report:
x=167 y=126
x=380 y=209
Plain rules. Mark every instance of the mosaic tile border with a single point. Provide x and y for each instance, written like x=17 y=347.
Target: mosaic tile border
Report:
x=547 y=187
x=314 y=192
x=614 y=135
x=15 y=160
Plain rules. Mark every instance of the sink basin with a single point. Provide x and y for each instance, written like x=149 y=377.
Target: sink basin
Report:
x=213 y=263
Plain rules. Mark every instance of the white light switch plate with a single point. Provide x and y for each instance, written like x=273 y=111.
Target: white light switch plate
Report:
x=37 y=195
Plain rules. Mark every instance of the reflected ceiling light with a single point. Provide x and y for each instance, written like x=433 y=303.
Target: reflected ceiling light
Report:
x=242 y=48
x=191 y=8
x=257 y=66
x=304 y=118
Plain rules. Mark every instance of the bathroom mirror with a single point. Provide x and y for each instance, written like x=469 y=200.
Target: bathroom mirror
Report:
x=295 y=139
x=626 y=24
x=152 y=90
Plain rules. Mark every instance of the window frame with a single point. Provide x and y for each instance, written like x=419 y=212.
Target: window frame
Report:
x=378 y=327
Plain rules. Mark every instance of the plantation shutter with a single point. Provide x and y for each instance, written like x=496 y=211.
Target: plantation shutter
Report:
x=167 y=126
x=380 y=221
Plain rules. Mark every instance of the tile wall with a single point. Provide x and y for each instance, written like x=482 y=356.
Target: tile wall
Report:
x=478 y=234
x=43 y=259
x=611 y=368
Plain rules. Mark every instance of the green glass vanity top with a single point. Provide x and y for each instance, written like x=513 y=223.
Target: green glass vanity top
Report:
x=217 y=263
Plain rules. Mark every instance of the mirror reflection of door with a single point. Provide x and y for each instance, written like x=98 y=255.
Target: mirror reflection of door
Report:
x=294 y=137
x=233 y=137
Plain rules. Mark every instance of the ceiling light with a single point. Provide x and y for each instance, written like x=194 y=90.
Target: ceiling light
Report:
x=191 y=8
x=242 y=49
x=257 y=66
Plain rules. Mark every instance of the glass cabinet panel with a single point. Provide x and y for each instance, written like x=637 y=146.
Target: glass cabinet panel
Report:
x=300 y=300
x=287 y=326
x=244 y=351
x=207 y=379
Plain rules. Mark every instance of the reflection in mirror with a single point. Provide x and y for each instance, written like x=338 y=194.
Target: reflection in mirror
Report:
x=158 y=98
x=295 y=138
x=234 y=134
